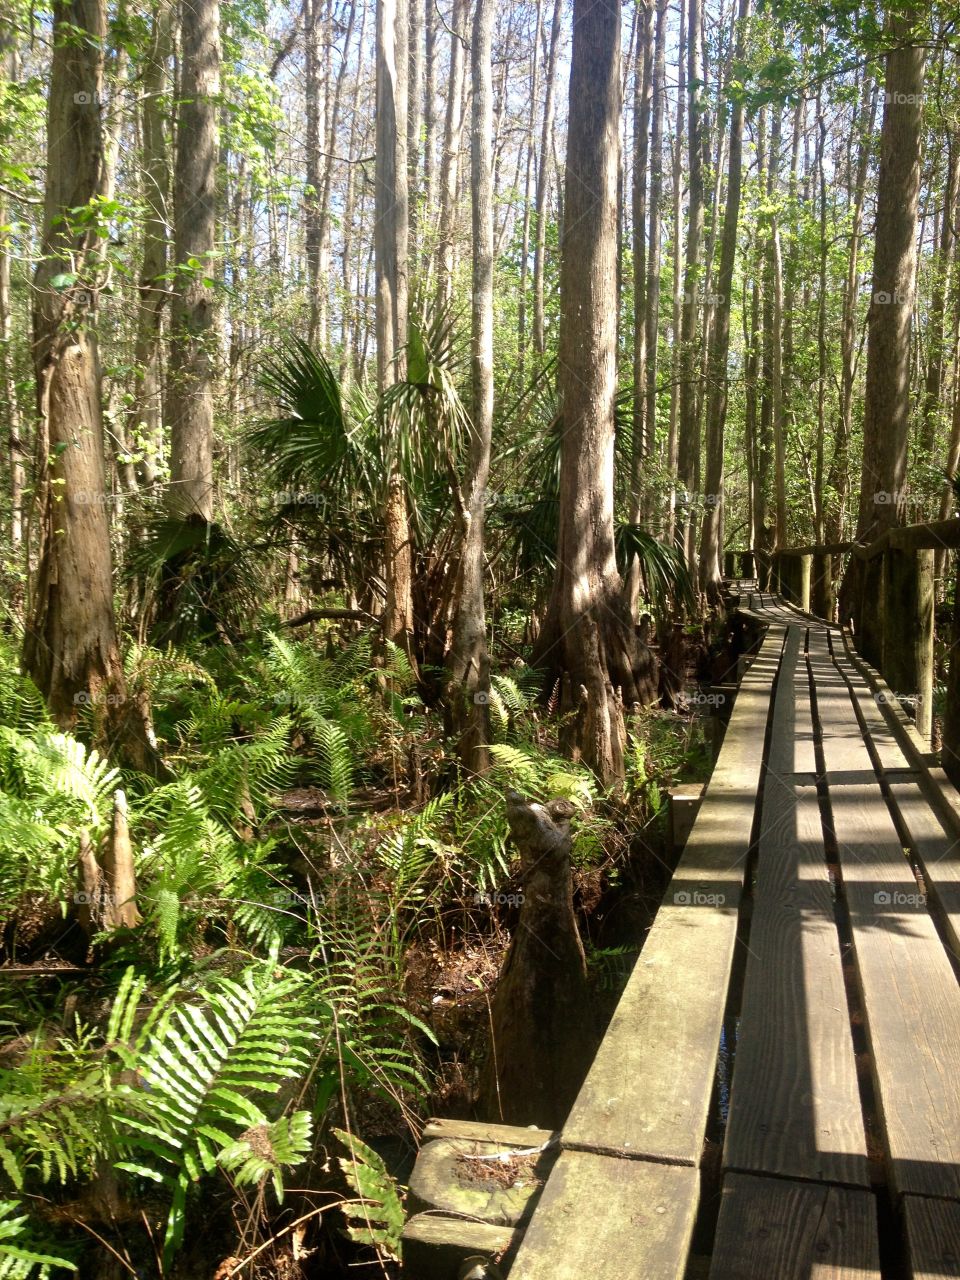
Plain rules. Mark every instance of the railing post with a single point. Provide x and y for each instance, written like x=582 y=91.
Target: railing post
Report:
x=869 y=623
x=950 y=755
x=729 y=564
x=747 y=566
x=766 y=578
x=794 y=579
x=823 y=598
x=907 y=660
x=804 y=564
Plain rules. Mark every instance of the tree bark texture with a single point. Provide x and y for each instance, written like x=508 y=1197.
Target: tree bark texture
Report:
x=541 y=1050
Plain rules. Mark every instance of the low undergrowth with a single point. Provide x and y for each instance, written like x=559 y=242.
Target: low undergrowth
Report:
x=230 y=1085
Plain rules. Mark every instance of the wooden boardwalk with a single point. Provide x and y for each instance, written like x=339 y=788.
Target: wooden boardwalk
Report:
x=808 y=942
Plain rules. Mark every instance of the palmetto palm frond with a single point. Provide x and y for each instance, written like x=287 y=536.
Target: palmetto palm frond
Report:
x=316 y=443
x=423 y=424
x=663 y=569
x=422 y=417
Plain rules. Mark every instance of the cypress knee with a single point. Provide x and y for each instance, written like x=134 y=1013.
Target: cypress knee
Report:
x=543 y=1039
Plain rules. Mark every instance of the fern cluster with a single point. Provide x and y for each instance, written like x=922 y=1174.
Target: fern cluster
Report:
x=52 y=788
x=205 y=1061
x=197 y=1068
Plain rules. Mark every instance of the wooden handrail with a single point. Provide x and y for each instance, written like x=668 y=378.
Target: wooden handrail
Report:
x=931 y=536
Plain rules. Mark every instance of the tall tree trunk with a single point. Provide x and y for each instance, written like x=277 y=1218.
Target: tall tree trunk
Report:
x=676 y=323
x=415 y=55
x=838 y=476
x=641 y=440
x=819 y=526
x=314 y=140
x=652 y=317
x=688 y=451
x=144 y=416
x=9 y=61
x=8 y=384
x=588 y=638
x=887 y=396
x=430 y=109
x=70 y=643
x=543 y=181
x=751 y=337
x=711 y=568
x=528 y=175
x=764 y=523
x=643 y=91
x=332 y=108
x=390 y=250
x=776 y=345
x=450 y=165
x=193 y=333
x=469 y=684
x=933 y=415
x=348 y=318
x=10 y=400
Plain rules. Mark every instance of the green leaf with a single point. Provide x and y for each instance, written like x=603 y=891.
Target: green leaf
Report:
x=378 y=1220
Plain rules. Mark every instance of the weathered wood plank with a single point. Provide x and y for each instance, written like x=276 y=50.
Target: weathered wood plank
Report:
x=889 y=751
x=506 y=1135
x=775 y=1229
x=434 y=1247
x=610 y=1219
x=938 y=851
x=908 y=989
x=795 y=1108
x=933 y=1237
x=648 y=1091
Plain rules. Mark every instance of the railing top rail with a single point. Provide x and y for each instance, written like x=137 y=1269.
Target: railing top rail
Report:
x=933 y=535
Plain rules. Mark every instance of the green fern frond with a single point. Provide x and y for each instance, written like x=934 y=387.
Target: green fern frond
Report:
x=398 y=666
x=336 y=758
x=20 y=1254
x=252 y=771
x=58 y=768
x=543 y=777
x=52 y=1122
x=197 y=1067
x=21 y=703
x=377 y=1218
x=264 y=1150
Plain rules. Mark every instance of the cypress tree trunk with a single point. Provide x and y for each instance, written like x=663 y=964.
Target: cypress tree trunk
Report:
x=588 y=640
x=314 y=141
x=688 y=448
x=527 y=181
x=887 y=397
x=652 y=317
x=543 y=182
x=193 y=333
x=469 y=677
x=9 y=68
x=144 y=415
x=673 y=440
x=711 y=568
x=450 y=164
x=390 y=250
x=70 y=643
x=543 y=1041
x=838 y=476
